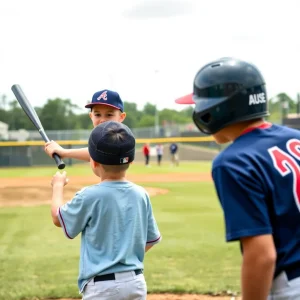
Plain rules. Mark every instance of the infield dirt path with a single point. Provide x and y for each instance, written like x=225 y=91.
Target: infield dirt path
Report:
x=32 y=191
x=170 y=177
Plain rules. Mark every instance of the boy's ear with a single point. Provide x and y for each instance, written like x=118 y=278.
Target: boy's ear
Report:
x=90 y=114
x=123 y=116
x=93 y=163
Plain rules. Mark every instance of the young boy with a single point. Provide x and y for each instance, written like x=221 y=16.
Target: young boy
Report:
x=257 y=177
x=159 y=153
x=146 y=152
x=115 y=218
x=174 y=156
x=105 y=106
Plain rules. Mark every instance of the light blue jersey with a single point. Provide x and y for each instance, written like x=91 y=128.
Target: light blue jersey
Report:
x=116 y=221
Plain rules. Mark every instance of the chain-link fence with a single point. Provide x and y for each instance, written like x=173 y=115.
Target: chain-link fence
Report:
x=29 y=155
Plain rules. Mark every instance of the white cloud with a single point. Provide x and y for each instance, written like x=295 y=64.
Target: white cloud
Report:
x=71 y=49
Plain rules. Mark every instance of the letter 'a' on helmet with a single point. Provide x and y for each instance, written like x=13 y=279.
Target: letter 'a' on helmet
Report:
x=227 y=91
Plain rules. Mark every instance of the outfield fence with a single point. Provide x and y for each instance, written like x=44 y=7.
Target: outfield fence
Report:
x=26 y=148
x=31 y=153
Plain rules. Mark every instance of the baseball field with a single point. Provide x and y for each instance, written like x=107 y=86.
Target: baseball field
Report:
x=192 y=262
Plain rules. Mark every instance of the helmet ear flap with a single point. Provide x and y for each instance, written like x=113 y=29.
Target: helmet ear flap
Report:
x=206 y=118
x=202 y=120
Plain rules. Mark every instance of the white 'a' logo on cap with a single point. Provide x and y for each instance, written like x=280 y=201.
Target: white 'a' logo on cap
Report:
x=103 y=96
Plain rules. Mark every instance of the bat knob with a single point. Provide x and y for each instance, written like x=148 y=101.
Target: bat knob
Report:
x=59 y=162
x=61 y=165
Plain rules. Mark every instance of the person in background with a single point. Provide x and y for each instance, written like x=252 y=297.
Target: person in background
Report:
x=174 y=154
x=146 y=152
x=159 y=153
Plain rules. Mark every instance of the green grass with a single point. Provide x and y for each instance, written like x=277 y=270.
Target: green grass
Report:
x=84 y=169
x=37 y=261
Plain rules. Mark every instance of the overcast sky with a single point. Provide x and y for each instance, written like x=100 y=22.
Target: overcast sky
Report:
x=147 y=50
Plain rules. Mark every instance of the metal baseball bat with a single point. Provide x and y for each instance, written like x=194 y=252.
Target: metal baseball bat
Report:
x=32 y=115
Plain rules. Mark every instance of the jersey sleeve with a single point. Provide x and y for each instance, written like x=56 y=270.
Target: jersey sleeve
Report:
x=244 y=203
x=74 y=216
x=153 y=234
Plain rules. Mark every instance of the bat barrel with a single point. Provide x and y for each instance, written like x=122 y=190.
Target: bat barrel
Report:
x=44 y=135
x=32 y=115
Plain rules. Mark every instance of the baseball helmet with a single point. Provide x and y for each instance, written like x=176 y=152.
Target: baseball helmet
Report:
x=227 y=91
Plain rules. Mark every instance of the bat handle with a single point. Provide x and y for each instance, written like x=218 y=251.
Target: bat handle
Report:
x=60 y=164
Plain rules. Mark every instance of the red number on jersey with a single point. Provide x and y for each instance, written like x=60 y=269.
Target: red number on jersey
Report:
x=285 y=163
x=293 y=147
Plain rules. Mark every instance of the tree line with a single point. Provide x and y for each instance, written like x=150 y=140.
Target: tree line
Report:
x=62 y=114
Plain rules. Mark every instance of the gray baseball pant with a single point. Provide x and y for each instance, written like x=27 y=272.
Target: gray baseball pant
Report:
x=126 y=286
x=283 y=289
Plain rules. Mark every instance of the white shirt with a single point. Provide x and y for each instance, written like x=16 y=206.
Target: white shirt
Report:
x=159 y=150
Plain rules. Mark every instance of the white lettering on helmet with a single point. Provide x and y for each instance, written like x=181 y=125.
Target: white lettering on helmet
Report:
x=257 y=99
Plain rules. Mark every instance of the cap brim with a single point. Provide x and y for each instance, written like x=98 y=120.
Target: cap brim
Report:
x=188 y=99
x=93 y=104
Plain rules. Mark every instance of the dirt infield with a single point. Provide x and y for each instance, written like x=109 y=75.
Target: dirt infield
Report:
x=141 y=178
x=33 y=191
x=37 y=191
x=32 y=195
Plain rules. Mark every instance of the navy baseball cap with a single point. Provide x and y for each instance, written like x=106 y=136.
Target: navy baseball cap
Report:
x=112 y=143
x=107 y=97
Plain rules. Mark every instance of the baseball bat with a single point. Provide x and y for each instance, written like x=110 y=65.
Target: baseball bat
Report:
x=32 y=115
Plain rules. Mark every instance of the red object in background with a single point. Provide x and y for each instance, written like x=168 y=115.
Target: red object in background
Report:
x=146 y=149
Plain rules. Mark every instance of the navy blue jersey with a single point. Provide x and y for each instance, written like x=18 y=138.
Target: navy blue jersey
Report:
x=173 y=148
x=257 y=179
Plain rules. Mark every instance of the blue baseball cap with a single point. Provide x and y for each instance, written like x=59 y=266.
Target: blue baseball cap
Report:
x=112 y=143
x=107 y=97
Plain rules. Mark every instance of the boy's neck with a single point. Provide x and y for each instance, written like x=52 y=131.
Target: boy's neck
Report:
x=113 y=177
x=237 y=129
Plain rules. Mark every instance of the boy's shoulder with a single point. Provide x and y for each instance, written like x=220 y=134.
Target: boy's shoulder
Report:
x=246 y=148
x=225 y=156
x=109 y=186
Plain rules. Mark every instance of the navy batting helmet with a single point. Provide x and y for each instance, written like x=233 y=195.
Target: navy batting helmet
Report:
x=227 y=91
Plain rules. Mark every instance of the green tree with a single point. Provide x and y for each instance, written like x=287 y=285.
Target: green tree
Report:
x=17 y=118
x=188 y=111
x=84 y=121
x=171 y=115
x=146 y=121
x=133 y=115
x=149 y=109
x=280 y=106
x=4 y=116
x=59 y=114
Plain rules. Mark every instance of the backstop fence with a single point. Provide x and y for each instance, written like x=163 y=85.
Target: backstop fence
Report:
x=28 y=149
